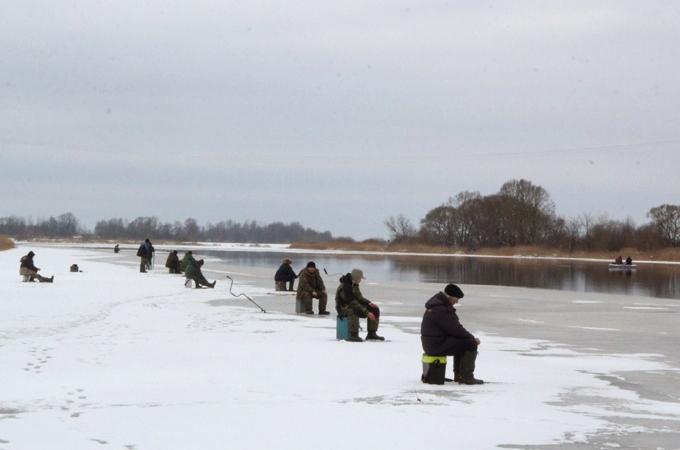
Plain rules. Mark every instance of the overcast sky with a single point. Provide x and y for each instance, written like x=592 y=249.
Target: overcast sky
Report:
x=335 y=114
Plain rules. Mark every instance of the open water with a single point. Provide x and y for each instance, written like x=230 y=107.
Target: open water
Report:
x=653 y=280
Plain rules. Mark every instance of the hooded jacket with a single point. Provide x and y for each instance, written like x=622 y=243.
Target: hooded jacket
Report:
x=27 y=262
x=309 y=282
x=349 y=295
x=440 y=324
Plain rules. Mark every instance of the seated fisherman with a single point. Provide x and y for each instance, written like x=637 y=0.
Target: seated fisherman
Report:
x=629 y=261
x=193 y=272
x=310 y=287
x=285 y=274
x=441 y=333
x=172 y=263
x=27 y=269
x=618 y=260
x=349 y=302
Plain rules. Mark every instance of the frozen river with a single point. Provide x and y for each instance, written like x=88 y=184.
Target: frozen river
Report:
x=567 y=369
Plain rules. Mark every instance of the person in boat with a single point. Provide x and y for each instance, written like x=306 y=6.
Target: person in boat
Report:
x=629 y=261
x=618 y=260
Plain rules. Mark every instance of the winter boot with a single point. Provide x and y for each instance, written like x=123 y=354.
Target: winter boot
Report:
x=212 y=285
x=354 y=337
x=457 y=374
x=323 y=313
x=373 y=336
x=467 y=368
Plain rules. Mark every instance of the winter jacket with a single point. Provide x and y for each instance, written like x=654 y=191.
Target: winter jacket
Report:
x=191 y=267
x=285 y=273
x=172 y=261
x=348 y=295
x=145 y=250
x=27 y=263
x=440 y=323
x=309 y=282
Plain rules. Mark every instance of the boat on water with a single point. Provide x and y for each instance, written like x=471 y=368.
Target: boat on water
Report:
x=622 y=267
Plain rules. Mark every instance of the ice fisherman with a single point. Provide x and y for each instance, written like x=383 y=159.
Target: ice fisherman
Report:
x=28 y=270
x=629 y=261
x=310 y=287
x=618 y=260
x=350 y=303
x=116 y=248
x=441 y=333
x=192 y=271
x=285 y=275
x=145 y=252
x=172 y=263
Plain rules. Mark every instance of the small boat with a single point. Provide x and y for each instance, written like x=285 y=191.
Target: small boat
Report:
x=622 y=267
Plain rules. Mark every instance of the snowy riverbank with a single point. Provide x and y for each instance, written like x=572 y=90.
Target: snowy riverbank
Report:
x=110 y=358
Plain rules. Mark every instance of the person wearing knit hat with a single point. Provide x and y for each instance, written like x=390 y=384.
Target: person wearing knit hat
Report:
x=28 y=270
x=441 y=333
x=285 y=274
x=311 y=286
x=349 y=302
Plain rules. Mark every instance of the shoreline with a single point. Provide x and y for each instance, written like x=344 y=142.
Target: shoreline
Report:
x=297 y=248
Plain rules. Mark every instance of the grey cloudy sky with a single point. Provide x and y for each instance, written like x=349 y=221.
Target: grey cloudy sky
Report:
x=335 y=114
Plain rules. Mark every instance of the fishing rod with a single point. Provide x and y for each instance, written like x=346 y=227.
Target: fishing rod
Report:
x=332 y=274
x=242 y=294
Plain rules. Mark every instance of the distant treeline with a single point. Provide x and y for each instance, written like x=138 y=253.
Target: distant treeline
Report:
x=68 y=226
x=522 y=213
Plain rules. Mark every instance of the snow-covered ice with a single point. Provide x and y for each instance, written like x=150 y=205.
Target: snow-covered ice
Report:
x=111 y=358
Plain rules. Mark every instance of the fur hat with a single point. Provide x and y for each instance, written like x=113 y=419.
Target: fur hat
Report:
x=311 y=264
x=453 y=291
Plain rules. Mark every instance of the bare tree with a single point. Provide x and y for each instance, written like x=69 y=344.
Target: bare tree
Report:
x=667 y=220
x=400 y=228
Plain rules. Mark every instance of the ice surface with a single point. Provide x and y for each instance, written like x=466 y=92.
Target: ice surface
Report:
x=111 y=358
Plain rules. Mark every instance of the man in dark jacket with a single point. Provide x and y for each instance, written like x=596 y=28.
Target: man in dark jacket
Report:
x=350 y=302
x=284 y=275
x=28 y=270
x=441 y=333
x=145 y=252
x=193 y=271
x=172 y=263
x=310 y=287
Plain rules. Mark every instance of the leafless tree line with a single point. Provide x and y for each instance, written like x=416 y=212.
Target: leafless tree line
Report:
x=522 y=213
x=67 y=225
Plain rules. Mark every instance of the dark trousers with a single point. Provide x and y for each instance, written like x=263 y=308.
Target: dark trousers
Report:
x=307 y=297
x=353 y=319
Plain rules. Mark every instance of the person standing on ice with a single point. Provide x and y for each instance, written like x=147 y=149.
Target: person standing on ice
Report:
x=285 y=274
x=145 y=252
x=310 y=287
x=441 y=333
x=28 y=270
x=172 y=263
x=350 y=302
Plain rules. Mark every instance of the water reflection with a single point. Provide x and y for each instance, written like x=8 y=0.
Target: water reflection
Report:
x=648 y=280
